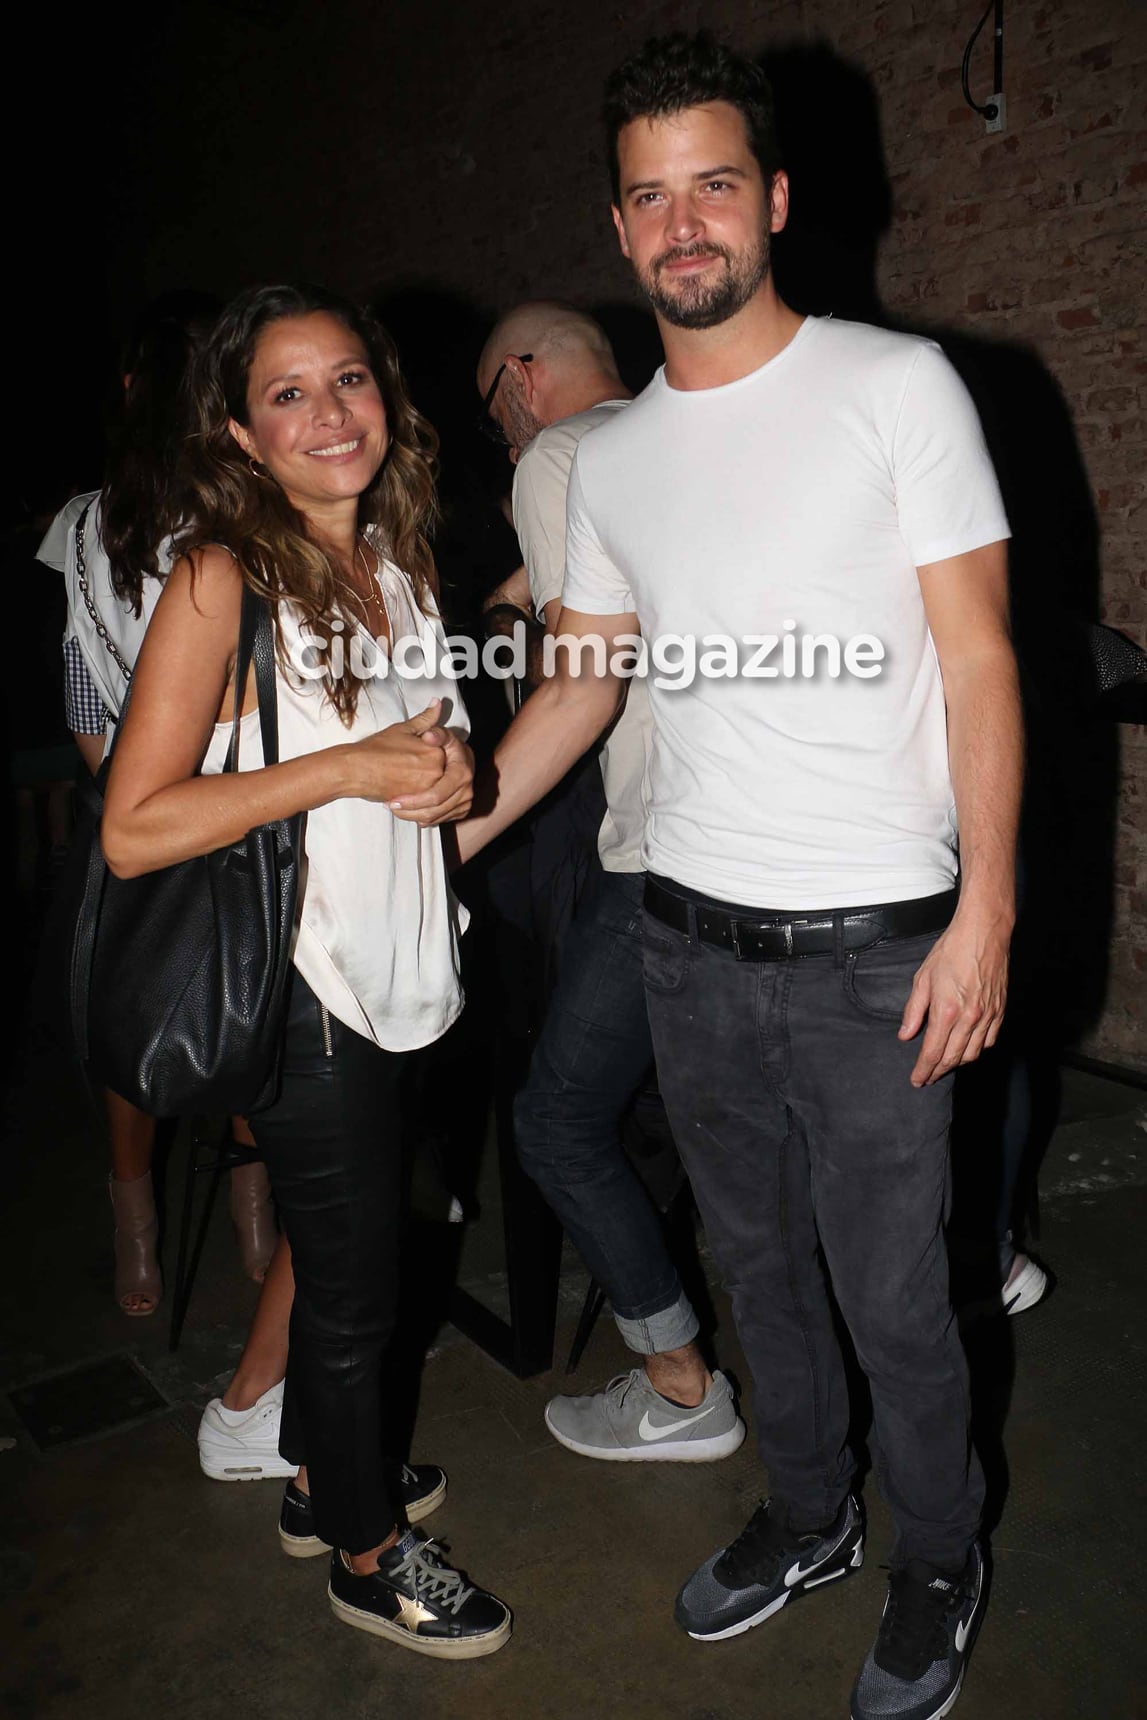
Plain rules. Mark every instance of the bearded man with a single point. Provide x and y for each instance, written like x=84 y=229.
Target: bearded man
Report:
x=829 y=859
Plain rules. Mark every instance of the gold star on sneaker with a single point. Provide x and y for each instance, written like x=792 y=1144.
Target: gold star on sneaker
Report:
x=411 y=1613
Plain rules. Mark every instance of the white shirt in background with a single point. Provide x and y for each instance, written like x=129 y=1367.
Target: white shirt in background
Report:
x=541 y=479
x=126 y=629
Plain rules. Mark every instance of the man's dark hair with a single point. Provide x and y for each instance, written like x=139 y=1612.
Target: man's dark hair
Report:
x=672 y=73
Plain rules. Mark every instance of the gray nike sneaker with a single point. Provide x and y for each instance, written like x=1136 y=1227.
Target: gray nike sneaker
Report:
x=629 y=1422
x=765 y=1568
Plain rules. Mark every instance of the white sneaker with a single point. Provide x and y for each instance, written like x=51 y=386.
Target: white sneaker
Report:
x=234 y=1447
x=1026 y=1284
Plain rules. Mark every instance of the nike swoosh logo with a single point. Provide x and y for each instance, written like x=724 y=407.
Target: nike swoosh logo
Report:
x=965 y=1624
x=797 y=1572
x=649 y=1430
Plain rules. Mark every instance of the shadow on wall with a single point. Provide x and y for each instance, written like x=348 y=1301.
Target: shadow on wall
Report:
x=829 y=126
x=633 y=335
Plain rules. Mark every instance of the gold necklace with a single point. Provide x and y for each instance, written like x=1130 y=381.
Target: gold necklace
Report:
x=369 y=604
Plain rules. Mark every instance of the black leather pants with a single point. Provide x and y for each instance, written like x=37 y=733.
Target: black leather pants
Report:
x=333 y=1150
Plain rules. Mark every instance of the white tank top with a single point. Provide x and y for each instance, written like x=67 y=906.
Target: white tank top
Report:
x=378 y=924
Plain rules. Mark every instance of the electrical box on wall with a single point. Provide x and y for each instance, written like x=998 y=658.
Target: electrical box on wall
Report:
x=994 y=111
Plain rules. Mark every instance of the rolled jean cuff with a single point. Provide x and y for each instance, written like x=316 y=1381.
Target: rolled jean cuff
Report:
x=669 y=1329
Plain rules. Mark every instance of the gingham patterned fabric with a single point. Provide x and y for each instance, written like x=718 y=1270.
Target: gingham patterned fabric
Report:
x=86 y=712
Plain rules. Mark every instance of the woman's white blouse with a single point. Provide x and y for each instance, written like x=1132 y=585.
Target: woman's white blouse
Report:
x=378 y=925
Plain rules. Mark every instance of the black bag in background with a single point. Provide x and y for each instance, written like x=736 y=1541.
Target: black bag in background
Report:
x=178 y=978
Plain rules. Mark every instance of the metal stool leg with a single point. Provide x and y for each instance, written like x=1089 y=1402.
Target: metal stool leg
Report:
x=187 y=1263
x=590 y=1309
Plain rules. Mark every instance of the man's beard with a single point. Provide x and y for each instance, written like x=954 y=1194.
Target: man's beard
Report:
x=519 y=426
x=701 y=301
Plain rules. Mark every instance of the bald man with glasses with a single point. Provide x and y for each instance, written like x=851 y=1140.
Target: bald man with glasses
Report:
x=548 y=378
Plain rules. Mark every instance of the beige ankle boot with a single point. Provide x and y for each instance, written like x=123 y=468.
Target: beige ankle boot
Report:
x=253 y=1215
x=137 y=1279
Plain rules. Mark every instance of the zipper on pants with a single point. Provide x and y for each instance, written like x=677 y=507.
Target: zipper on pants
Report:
x=324 y=1017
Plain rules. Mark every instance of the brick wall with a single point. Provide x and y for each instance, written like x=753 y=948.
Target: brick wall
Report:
x=458 y=145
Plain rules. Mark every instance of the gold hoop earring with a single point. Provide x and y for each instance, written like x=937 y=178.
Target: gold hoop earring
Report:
x=255 y=472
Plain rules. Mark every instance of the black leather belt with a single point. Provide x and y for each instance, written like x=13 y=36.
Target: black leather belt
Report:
x=774 y=937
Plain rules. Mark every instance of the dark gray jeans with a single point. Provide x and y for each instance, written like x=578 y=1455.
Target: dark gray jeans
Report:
x=789 y=1096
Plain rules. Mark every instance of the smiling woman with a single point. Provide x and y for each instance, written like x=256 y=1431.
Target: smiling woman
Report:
x=310 y=482
x=305 y=395
x=324 y=391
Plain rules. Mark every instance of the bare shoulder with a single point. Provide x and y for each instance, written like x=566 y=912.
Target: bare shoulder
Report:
x=208 y=583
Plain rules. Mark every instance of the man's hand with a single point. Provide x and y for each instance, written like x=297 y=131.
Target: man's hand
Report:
x=961 y=990
x=554 y=726
x=962 y=986
x=452 y=794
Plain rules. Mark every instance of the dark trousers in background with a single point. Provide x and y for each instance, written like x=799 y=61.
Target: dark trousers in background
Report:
x=592 y=1057
x=789 y=1095
x=332 y=1143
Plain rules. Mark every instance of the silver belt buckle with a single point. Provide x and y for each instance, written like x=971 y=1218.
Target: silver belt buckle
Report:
x=786 y=928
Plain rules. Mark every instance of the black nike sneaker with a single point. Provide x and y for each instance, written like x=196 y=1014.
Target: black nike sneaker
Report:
x=419 y=1601
x=916 y=1666
x=765 y=1568
x=419 y=1488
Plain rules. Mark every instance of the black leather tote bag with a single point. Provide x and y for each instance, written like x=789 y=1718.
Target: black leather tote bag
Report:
x=178 y=978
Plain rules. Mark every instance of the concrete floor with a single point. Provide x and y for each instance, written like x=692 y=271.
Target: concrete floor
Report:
x=132 y=1586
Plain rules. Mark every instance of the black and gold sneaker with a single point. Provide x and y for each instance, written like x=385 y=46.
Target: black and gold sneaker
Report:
x=418 y=1488
x=419 y=1601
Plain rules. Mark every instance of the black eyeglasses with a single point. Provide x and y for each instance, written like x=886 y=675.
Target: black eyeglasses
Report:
x=487 y=424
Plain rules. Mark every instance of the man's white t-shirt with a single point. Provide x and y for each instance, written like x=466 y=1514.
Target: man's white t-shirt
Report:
x=541 y=479
x=807 y=493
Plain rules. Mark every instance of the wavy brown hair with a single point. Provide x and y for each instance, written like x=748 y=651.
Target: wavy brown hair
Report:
x=226 y=503
x=140 y=507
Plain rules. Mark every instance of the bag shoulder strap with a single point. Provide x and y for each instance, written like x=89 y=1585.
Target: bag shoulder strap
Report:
x=256 y=641
x=89 y=603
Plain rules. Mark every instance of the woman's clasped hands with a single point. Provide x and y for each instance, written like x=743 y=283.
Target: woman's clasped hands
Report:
x=421 y=769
